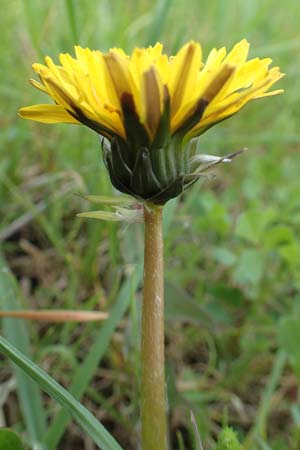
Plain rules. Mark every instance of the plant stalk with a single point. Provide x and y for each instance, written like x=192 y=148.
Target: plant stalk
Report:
x=153 y=396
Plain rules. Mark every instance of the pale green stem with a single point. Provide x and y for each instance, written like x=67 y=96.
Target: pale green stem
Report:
x=153 y=396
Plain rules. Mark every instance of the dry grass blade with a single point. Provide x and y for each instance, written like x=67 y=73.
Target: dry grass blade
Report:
x=56 y=315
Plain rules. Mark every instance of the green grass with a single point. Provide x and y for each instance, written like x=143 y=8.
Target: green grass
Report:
x=232 y=249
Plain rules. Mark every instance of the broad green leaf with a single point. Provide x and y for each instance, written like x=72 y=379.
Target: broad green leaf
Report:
x=182 y=307
x=290 y=253
x=9 y=440
x=252 y=224
x=279 y=235
x=249 y=267
x=94 y=429
x=224 y=256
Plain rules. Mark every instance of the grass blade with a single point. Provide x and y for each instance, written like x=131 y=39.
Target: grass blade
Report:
x=197 y=437
x=158 y=22
x=16 y=332
x=72 y=20
x=82 y=416
x=116 y=200
x=31 y=19
x=266 y=402
x=259 y=432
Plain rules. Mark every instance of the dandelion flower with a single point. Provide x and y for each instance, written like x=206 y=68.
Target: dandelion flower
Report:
x=148 y=107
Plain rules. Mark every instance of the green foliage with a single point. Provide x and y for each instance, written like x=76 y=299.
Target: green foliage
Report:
x=227 y=440
x=289 y=338
x=93 y=428
x=9 y=440
x=84 y=373
x=29 y=395
x=232 y=250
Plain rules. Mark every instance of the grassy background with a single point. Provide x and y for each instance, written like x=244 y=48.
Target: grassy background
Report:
x=232 y=249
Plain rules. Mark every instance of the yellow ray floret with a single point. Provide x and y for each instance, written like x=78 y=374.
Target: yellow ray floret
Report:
x=91 y=88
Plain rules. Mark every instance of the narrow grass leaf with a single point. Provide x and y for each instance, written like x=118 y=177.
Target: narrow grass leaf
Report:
x=82 y=416
x=101 y=215
x=121 y=215
x=266 y=403
x=71 y=12
x=31 y=19
x=121 y=200
x=180 y=441
x=158 y=22
x=263 y=445
x=196 y=433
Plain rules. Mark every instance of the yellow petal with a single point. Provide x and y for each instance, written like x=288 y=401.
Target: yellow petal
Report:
x=183 y=73
x=119 y=73
x=60 y=93
x=218 y=111
x=217 y=83
x=90 y=86
x=270 y=94
x=38 y=85
x=239 y=53
x=47 y=114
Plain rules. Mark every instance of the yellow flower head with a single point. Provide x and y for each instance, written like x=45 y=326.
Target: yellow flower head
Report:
x=148 y=106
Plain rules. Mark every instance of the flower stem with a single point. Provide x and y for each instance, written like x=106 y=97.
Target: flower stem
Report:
x=153 y=401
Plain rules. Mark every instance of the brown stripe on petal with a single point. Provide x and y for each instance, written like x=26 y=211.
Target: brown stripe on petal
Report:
x=92 y=124
x=136 y=134
x=152 y=100
x=75 y=111
x=60 y=93
x=128 y=103
x=162 y=134
x=166 y=94
x=217 y=83
x=194 y=117
x=118 y=73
